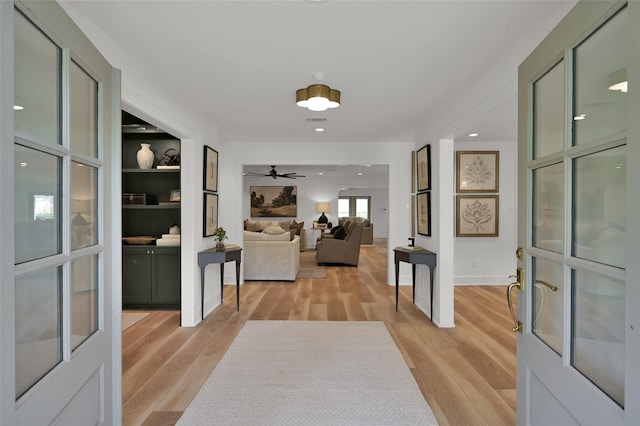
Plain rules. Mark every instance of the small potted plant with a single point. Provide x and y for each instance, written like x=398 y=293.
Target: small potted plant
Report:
x=220 y=235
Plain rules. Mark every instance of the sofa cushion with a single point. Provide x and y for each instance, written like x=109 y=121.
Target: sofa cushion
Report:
x=273 y=230
x=340 y=233
x=252 y=226
x=261 y=236
x=297 y=226
x=284 y=224
x=335 y=228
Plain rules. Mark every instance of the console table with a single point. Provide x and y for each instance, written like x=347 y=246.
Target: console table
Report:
x=414 y=256
x=213 y=255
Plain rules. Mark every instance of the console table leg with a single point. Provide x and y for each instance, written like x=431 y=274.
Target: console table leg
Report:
x=202 y=293
x=397 y=279
x=222 y=283
x=237 y=285
x=413 y=282
x=431 y=289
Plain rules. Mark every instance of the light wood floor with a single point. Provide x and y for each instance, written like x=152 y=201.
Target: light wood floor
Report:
x=467 y=374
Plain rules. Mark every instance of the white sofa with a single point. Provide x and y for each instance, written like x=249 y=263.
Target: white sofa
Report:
x=259 y=225
x=271 y=257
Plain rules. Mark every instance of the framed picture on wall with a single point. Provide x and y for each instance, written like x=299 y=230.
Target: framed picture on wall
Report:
x=477 y=215
x=477 y=171
x=210 y=169
x=274 y=201
x=423 y=168
x=210 y=214
x=423 y=213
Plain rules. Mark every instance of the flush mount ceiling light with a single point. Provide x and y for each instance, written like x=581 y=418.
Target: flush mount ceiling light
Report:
x=318 y=97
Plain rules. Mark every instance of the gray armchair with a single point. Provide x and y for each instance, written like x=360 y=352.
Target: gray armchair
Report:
x=347 y=251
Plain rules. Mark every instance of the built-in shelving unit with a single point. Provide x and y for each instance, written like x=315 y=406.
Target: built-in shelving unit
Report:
x=150 y=273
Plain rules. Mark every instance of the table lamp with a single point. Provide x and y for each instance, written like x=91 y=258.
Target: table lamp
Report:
x=323 y=208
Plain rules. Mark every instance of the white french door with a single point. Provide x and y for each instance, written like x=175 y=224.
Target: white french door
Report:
x=57 y=291
x=578 y=345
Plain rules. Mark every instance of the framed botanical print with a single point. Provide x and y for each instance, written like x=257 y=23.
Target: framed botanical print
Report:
x=477 y=215
x=210 y=214
x=477 y=171
x=423 y=168
x=423 y=213
x=210 y=169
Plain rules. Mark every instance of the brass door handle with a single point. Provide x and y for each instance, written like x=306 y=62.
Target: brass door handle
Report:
x=517 y=324
x=549 y=285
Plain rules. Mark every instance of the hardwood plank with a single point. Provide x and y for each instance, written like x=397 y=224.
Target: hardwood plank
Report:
x=466 y=374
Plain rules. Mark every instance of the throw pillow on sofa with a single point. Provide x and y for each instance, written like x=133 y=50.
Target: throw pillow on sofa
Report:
x=273 y=230
x=252 y=226
x=297 y=226
x=340 y=234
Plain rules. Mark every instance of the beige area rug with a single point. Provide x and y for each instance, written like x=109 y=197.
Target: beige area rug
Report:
x=310 y=373
x=309 y=268
x=130 y=318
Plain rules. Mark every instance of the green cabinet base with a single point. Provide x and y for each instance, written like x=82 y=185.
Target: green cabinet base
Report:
x=150 y=277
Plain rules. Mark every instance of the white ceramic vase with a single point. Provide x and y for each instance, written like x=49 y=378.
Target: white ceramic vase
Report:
x=145 y=156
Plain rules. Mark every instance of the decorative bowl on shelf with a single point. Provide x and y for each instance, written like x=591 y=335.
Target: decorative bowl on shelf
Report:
x=139 y=240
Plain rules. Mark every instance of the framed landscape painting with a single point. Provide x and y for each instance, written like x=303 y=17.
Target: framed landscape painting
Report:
x=274 y=201
x=423 y=168
x=210 y=169
x=477 y=171
x=477 y=216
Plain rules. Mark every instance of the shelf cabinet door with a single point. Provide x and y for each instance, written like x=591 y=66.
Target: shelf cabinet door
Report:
x=166 y=282
x=136 y=275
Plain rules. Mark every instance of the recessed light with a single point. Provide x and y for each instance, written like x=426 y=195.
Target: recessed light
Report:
x=473 y=135
x=18 y=107
x=580 y=117
x=23 y=164
x=320 y=173
x=319 y=129
x=359 y=173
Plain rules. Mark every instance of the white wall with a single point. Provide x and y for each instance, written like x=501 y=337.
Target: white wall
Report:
x=490 y=260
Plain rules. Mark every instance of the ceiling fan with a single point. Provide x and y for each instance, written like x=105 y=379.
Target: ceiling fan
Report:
x=274 y=174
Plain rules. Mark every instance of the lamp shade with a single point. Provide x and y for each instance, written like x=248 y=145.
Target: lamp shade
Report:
x=323 y=207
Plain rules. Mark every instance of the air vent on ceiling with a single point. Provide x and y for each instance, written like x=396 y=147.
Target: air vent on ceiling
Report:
x=316 y=119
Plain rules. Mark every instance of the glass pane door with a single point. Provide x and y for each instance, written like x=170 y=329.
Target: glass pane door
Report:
x=57 y=252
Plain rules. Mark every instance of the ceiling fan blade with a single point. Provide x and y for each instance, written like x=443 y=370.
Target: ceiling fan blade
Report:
x=274 y=174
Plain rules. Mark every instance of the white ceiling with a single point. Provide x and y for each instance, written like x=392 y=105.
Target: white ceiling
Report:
x=397 y=63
